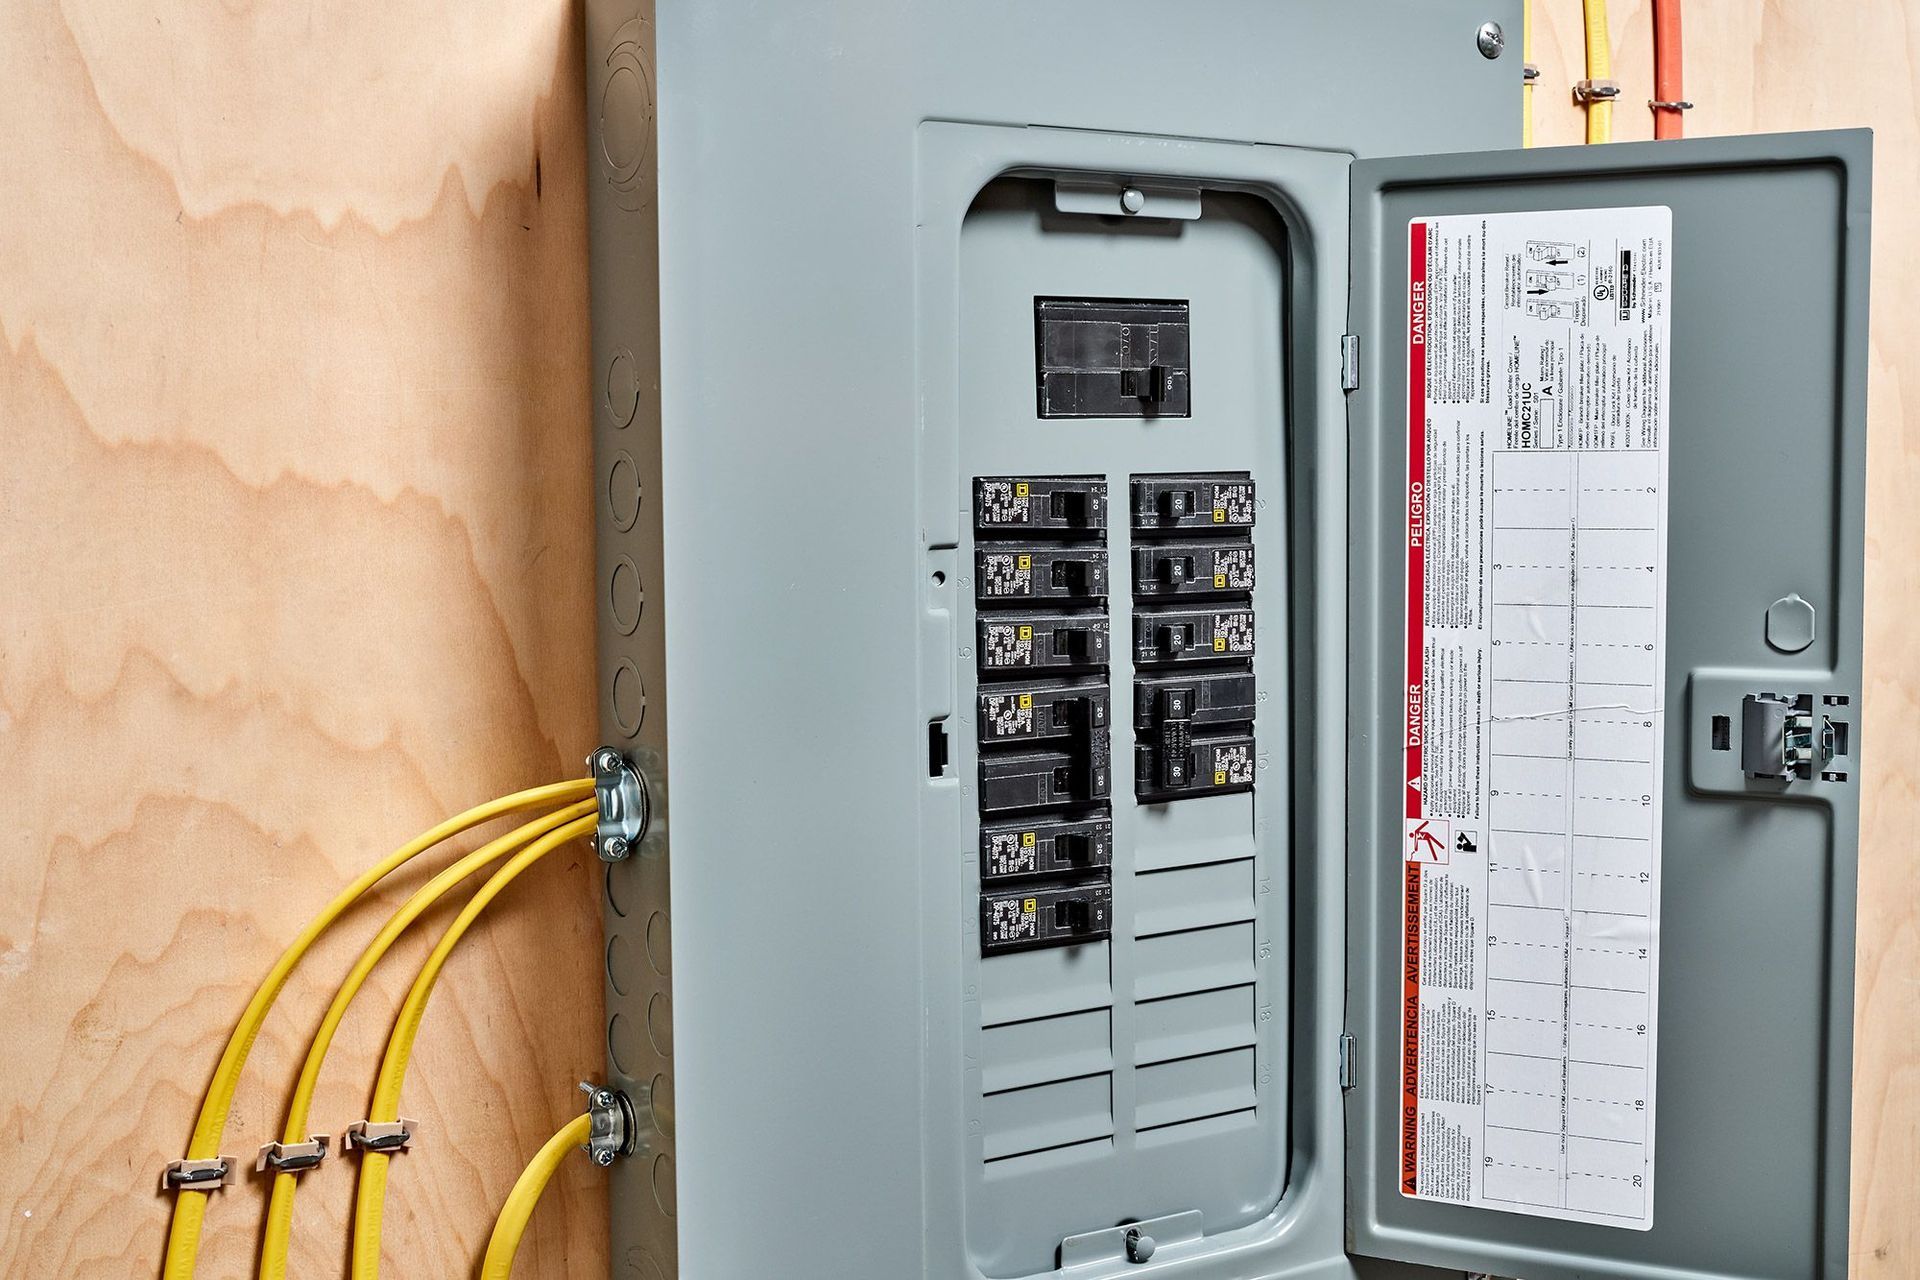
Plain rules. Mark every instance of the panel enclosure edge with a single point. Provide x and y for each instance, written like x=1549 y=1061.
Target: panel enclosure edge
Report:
x=623 y=231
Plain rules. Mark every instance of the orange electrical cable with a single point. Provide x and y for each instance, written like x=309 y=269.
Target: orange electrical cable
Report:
x=1667 y=92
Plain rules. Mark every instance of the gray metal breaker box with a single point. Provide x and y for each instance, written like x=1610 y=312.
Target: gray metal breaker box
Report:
x=1237 y=679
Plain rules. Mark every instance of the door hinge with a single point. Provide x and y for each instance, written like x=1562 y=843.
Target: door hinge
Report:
x=1349 y=361
x=1346 y=1061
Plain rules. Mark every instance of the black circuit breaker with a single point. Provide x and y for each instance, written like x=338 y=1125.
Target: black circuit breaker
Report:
x=1112 y=358
x=1061 y=915
x=1021 y=848
x=1213 y=633
x=1044 y=709
x=1193 y=628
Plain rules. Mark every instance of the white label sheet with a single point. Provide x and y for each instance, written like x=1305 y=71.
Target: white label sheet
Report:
x=1537 y=350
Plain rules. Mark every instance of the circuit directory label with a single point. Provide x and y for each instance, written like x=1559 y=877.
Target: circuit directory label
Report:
x=1536 y=566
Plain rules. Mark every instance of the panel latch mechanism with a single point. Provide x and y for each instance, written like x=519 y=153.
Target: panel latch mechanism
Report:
x=625 y=808
x=1779 y=738
x=613 y=1130
x=1776 y=736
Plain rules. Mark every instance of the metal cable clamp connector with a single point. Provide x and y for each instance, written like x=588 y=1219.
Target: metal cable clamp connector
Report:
x=1586 y=92
x=613 y=1129
x=625 y=806
x=383 y=1137
x=292 y=1157
x=198 y=1175
x=1678 y=104
x=1529 y=71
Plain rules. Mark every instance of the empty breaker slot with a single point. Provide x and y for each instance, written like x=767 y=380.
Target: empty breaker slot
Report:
x=1015 y=919
x=1045 y=846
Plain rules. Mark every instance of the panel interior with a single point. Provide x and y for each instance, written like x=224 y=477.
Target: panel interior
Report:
x=1139 y=1071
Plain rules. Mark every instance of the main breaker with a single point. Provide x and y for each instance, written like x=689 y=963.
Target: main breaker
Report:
x=1236 y=678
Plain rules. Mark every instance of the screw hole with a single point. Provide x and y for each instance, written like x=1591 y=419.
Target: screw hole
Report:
x=939 y=577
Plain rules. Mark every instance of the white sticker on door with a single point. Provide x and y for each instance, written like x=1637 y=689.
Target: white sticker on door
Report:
x=1537 y=350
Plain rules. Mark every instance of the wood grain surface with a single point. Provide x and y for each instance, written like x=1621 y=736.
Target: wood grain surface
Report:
x=1771 y=65
x=294 y=560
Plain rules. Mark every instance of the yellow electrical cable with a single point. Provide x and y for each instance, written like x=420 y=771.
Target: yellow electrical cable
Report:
x=1599 y=67
x=279 y=1233
x=511 y=1225
x=370 y=1196
x=1526 y=86
x=190 y=1207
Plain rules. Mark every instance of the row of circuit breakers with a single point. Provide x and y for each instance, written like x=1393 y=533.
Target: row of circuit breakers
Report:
x=1045 y=703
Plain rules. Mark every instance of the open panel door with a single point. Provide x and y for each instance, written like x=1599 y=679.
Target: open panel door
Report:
x=1608 y=457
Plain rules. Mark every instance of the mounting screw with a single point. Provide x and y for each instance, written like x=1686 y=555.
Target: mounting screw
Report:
x=1491 y=39
x=603 y=1158
x=1133 y=200
x=606 y=760
x=615 y=848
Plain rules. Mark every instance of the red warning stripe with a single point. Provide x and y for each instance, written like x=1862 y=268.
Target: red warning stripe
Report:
x=1416 y=499
x=1416 y=508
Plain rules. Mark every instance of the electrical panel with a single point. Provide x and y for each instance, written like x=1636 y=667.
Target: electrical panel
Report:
x=1123 y=899
x=1190 y=434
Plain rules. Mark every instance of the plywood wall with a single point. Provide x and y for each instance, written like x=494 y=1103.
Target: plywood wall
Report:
x=1767 y=65
x=293 y=561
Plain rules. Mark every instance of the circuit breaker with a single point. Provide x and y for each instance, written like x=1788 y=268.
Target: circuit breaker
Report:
x=1236 y=677
x=1045 y=748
